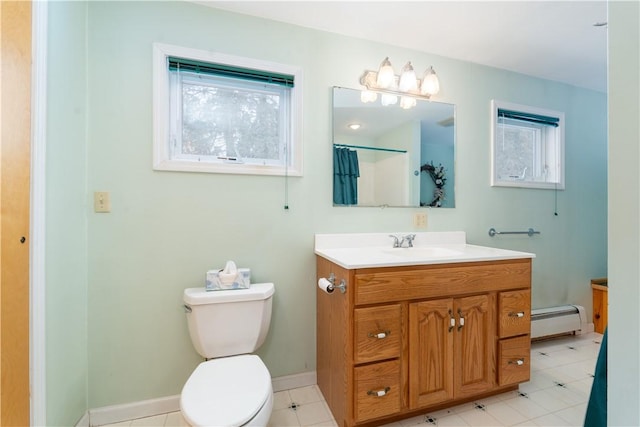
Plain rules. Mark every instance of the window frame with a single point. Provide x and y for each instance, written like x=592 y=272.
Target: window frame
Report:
x=559 y=149
x=162 y=160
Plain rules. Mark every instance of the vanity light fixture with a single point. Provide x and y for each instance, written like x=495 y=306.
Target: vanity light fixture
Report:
x=408 y=79
x=388 y=99
x=368 y=96
x=391 y=85
x=430 y=83
x=385 y=78
x=407 y=102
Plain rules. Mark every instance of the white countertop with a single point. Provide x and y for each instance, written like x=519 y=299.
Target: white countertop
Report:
x=366 y=250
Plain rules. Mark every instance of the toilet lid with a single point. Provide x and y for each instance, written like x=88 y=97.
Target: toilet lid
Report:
x=226 y=392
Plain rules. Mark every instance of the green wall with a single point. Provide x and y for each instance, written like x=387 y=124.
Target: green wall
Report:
x=166 y=228
x=66 y=202
x=624 y=217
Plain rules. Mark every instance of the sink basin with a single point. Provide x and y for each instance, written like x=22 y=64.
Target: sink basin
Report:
x=425 y=252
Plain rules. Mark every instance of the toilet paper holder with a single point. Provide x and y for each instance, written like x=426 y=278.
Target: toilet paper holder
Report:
x=342 y=286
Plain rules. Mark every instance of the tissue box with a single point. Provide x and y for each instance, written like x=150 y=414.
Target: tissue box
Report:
x=242 y=280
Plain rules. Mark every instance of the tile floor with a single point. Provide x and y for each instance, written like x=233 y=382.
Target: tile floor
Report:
x=557 y=395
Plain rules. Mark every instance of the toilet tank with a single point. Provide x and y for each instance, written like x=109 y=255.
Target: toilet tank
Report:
x=230 y=322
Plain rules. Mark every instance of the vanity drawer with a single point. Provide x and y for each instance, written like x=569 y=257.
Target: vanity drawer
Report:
x=377 y=333
x=514 y=313
x=514 y=360
x=377 y=390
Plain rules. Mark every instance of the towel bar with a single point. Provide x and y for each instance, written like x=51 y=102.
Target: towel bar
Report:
x=530 y=232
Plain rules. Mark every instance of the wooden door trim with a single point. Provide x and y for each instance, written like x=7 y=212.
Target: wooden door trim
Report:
x=39 y=22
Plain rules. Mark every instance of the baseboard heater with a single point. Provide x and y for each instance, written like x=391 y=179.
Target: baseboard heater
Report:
x=561 y=320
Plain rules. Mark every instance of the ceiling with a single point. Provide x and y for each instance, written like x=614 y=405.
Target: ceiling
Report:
x=554 y=40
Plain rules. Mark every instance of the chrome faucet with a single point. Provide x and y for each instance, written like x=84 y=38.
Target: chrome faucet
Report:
x=409 y=238
x=397 y=241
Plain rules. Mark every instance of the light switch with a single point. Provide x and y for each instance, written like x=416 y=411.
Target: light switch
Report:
x=420 y=220
x=101 y=202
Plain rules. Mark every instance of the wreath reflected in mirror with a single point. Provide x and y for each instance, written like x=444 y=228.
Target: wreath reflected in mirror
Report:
x=437 y=176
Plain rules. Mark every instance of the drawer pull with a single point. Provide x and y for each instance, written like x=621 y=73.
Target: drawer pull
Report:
x=379 y=335
x=518 y=362
x=461 y=321
x=379 y=393
x=516 y=314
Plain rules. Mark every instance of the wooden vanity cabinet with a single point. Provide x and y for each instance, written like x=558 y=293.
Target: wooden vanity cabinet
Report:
x=402 y=340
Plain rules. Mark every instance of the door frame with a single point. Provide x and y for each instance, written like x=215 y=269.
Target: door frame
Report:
x=37 y=289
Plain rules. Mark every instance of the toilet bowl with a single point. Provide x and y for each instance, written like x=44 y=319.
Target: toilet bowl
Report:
x=230 y=391
x=232 y=387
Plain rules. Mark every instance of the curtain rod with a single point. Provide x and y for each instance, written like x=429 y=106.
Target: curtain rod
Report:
x=391 y=150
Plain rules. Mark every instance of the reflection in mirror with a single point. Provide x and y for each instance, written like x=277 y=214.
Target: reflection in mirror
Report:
x=390 y=156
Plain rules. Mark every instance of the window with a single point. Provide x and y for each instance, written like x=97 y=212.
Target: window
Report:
x=527 y=147
x=225 y=114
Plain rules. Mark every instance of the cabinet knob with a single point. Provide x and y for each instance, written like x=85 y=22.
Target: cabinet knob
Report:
x=452 y=321
x=379 y=393
x=378 y=335
x=516 y=314
x=518 y=362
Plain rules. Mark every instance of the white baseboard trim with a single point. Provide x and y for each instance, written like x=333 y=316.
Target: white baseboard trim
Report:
x=129 y=411
x=84 y=420
x=148 y=408
x=288 y=382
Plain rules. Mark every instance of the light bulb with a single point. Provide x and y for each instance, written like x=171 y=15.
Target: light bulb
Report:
x=368 y=96
x=388 y=99
x=408 y=79
x=386 y=75
x=407 y=102
x=430 y=83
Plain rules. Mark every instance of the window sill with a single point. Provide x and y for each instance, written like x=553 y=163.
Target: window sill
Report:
x=529 y=184
x=236 y=169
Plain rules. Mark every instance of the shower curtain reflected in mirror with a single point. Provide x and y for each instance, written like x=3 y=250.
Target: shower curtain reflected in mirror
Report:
x=345 y=176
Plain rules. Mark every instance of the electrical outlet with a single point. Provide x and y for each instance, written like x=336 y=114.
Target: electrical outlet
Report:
x=420 y=220
x=101 y=202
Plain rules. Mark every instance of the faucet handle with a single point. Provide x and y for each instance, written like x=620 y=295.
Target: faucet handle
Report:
x=396 y=240
x=409 y=238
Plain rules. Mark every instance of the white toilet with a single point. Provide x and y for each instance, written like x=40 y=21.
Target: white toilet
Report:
x=233 y=388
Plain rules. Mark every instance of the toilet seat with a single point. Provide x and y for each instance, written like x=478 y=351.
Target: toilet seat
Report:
x=228 y=391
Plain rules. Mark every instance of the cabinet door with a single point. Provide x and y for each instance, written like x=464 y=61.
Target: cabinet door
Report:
x=474 y=345
x=430 y=352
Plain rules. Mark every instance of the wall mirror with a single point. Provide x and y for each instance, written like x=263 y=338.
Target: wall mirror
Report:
x=384 y=155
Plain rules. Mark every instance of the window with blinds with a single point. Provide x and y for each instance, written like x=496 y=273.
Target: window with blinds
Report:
x=527 y=146
x=226 y=114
